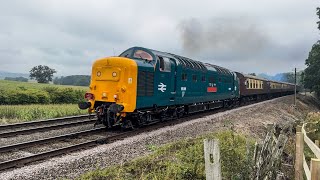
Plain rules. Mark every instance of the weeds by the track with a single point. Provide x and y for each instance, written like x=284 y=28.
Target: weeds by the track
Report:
x=21 y=113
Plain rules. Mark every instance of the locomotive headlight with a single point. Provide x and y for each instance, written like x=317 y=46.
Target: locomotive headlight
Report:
x=114 y=74
x=115 y=96
x=104 y=94
x=98 y=73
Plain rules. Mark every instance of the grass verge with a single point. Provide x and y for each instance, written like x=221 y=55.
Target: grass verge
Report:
x=184 y=160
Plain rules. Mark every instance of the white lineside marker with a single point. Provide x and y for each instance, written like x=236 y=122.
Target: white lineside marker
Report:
x=212 y=159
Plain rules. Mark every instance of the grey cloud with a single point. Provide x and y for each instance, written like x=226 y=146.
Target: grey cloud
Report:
x=70 y=35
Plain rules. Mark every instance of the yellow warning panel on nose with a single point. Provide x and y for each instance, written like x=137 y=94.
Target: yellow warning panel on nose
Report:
x=107 y=74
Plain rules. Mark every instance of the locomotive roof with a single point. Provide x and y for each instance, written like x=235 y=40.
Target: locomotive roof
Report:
x=192 y=64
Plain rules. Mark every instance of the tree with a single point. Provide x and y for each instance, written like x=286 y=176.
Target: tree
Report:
x=312 y=74
x=289 y=77
x=43 y=74
x=318 y=13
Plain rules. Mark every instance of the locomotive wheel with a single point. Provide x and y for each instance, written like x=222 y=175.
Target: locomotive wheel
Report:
x=127 y=125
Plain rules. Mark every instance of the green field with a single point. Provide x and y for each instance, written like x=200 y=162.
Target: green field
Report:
x=21 y=113
x=12 y=85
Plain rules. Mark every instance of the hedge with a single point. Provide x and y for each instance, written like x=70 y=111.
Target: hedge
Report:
x=45 y=95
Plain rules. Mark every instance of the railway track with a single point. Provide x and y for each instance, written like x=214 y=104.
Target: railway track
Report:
x=43 y=155
x=106 y=138
x=44 y=125
x=44 y=122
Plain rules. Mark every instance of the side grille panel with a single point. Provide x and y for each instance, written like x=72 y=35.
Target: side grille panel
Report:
x=145 y=83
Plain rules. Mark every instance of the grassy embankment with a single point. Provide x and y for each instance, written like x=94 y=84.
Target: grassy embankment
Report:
x=184 y=160
x=25 y=101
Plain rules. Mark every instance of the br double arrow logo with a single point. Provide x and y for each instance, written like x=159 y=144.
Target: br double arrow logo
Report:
x=162 y=87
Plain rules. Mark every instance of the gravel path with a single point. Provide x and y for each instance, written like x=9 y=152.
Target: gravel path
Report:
x=250 y=120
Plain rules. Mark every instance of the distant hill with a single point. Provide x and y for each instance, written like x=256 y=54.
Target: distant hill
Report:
x=4 y=74
x=277 y=77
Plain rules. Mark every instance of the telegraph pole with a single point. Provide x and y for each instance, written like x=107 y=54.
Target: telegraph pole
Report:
x=295 y=87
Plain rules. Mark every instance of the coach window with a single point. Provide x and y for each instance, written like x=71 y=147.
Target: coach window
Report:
x=165 y=65
x=140 y=54
x=184 y=77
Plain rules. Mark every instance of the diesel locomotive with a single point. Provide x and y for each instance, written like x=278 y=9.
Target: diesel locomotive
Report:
x=142 y=86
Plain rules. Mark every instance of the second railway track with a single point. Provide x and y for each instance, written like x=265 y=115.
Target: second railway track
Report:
x=44 y=125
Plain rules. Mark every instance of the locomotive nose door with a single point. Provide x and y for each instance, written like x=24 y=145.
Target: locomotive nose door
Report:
x=166 y=80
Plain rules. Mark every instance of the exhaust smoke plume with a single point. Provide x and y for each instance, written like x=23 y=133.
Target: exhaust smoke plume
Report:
x=223 y=38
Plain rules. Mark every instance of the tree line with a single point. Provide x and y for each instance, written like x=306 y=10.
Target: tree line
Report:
x=76 y=80
x=21 y=79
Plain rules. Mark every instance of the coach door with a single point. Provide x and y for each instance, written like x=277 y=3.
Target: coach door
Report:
x=167 y=79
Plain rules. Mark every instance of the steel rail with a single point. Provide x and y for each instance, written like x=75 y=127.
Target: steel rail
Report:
x=45 y=128
x=24 y=160
x=43 y=122
x=48 y=140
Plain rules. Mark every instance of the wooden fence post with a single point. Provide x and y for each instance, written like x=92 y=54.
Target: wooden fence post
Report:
x=315 y=169
x=212 y=159
x=299 y=154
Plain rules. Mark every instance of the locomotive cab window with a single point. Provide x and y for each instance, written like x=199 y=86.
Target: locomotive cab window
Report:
x=164 y=64
x=140 y=54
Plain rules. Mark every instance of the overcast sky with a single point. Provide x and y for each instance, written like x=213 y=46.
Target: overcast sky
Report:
x=261 y=36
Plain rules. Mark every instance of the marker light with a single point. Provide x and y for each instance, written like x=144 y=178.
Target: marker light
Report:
x=89 y=96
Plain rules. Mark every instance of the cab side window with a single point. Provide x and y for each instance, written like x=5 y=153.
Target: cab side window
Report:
x=164 y=64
